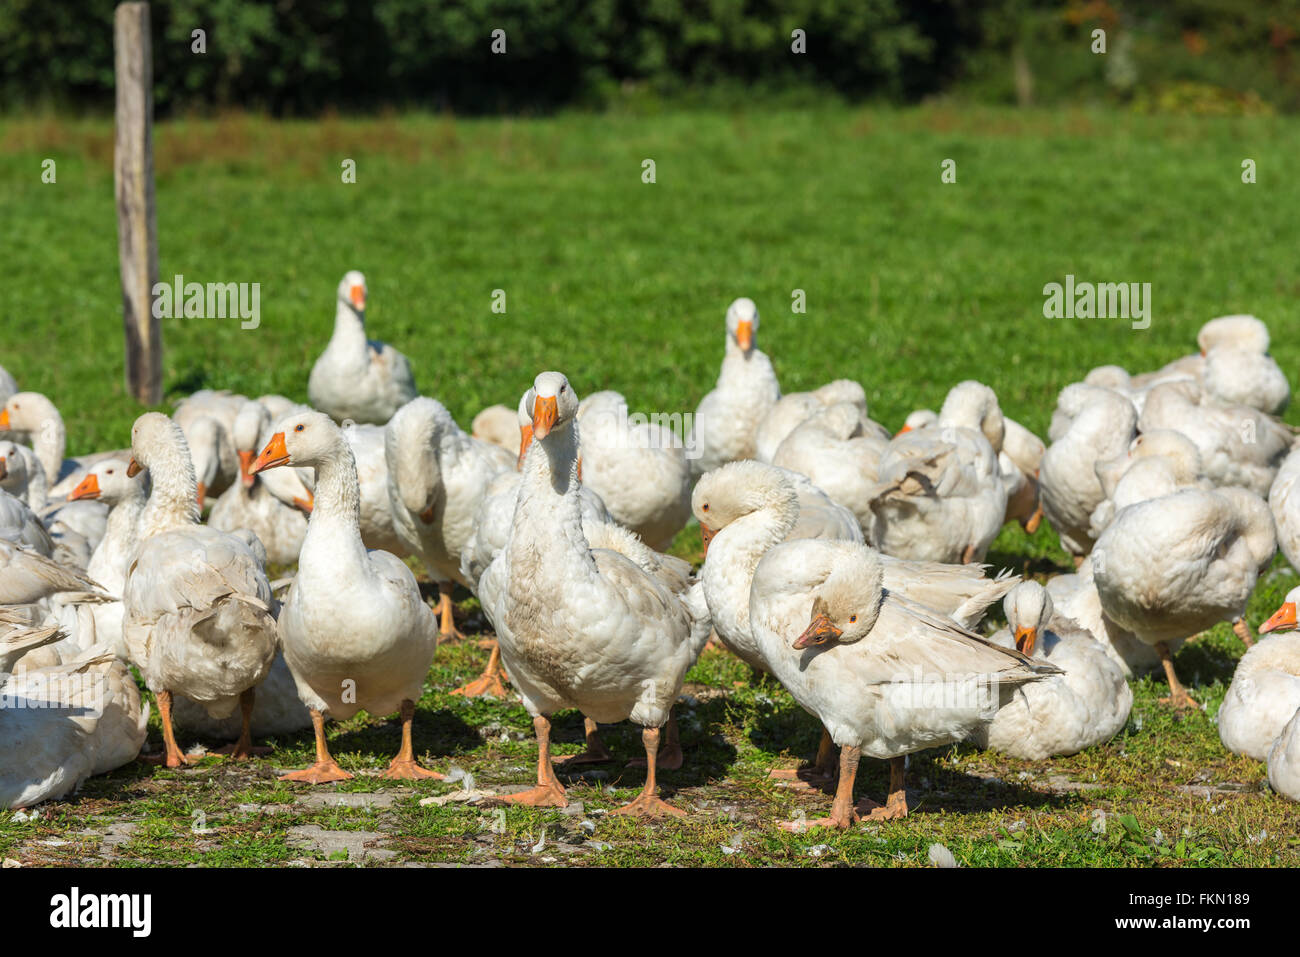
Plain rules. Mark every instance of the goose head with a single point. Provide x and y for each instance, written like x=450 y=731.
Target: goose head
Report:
x=250 y=422
x=25 y=412
x=352 y=291
x=973 y=405
x=846 y=604
x=158 y=445
x=1284 y=619
x=742 y=324
x=308 y=438
x=1237 y=332
x=1029 y=608
x=108 y=482
x=738 y=489
x=920 y=419
x=554 y=404
x=13 y=469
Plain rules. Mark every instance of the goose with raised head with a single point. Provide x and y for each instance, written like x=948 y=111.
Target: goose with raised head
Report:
x=1171 y=567
x=33 y=416
x=639 y=469
x=1101 y=424
x=795 y=408
x=1087 y=704
x=866 y=661
x=437 y=476
x=358 y=379
x=939 y=495
x=198 y=613
x=583 y=627
x=727 y=417
x=354 y=630
x=250 y=502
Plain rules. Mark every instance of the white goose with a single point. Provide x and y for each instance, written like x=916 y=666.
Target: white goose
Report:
x=1239 y=445
x=1156 y=463
x=1284 y=503
x=356 y=378
x=839 y=449
x=725 y=421
x=795 y=408
x=940 y=495
x=497 y=425
x=250 y=502
x=1170 y=567
x=639 y=470
x=437 y=477
x=63 y=723
x=35 y=416
x=1265 y=690
x=1100 y=426
x=354 y=630
x=198 y=614
x=812 y=605
x=1063 y=714
x=581 y=627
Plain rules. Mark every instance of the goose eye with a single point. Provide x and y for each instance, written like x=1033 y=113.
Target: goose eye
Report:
x=853 y=619
x=704 y=507
x=299 y=427
x=108 y=471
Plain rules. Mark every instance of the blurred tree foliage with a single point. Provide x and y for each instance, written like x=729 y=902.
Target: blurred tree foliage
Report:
x=305 y=56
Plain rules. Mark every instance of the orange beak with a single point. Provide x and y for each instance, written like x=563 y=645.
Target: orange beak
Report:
x=745 y=335
x=905 y=428
x=202 y=495
x=706 y=536
x=86 y=488
x=134 y=468
x=306 y=504
x=4 y=469
x=273 y=456
x=818 y=633
x=4 y=420
x=525 y=440
x=1283 y=619
x=545 y=413
x=1026 y=638
x=358 y=296
x=245 y=462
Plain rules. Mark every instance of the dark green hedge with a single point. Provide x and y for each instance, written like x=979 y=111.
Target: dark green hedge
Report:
x=303 y=56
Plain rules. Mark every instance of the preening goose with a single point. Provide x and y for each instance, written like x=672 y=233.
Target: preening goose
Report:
x=1062 y=714
x=198 y=614
x=1170 y=567
x=917 y=681
x=1019 y=461
x=1156 y=463
x=839 y=449
x=795 y=408
x=639 y=469
x=497 y=425
x=581 y=627
x=437 y=477
x=726 y=419
x=940 y=495
x=355 y=378
x=354 y=629
x=1100 y=426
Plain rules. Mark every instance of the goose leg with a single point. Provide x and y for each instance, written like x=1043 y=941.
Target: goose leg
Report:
x=1032 y=523
x=490 y=681
x=648 y=803
x=669 y=756
x=243 y=749
x=325 y=769
x=1242 y=631
x=405 y=767
x=447 y=624
x=968 y=555
x=895 y=805
x=549 y=791
x=843 y=813
x=596 y=752
x=1178 y=696
x=813 y=776
x=172 y=755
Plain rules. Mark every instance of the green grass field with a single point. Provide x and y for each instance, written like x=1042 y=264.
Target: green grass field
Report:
x=911 y=286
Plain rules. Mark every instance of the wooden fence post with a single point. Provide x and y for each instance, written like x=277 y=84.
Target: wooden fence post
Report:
x=137 y=229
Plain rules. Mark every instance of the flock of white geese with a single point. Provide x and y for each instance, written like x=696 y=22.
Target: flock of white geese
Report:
x=840 y=558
